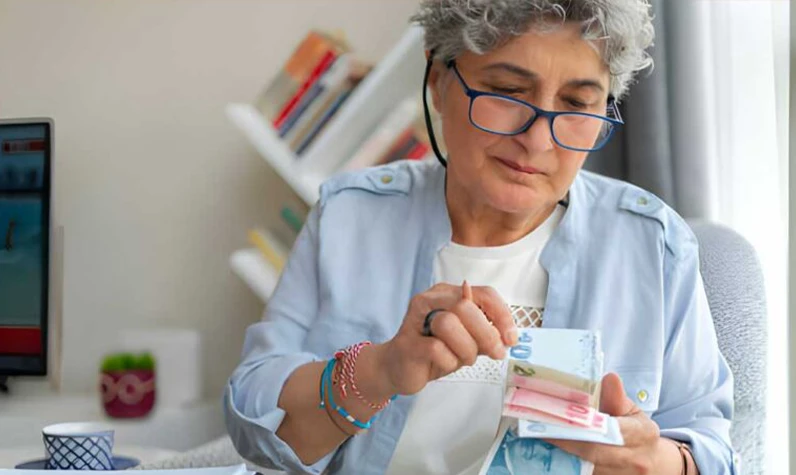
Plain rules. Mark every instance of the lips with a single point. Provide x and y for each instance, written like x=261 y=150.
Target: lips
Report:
x=518 y=167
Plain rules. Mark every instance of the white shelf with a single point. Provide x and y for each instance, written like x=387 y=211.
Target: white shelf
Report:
x=262 y=135
x=253 y=269
x=398 y=76
x=177 y=428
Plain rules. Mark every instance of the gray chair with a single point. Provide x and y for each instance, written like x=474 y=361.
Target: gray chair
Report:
x=734 y=286
x=736 y=295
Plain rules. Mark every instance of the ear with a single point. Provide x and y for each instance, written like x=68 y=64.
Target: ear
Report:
x=434 y=84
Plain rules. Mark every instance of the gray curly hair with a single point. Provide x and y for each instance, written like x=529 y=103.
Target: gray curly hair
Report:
x=621 y=30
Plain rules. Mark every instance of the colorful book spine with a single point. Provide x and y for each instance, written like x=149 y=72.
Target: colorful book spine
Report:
x=321 y=123
x=318 y=99
x=319 y=69
x=384 y=136
x=315 y=91
x=295 y=72
x=268 y=246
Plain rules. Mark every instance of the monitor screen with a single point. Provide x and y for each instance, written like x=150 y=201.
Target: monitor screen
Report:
x=25 y=153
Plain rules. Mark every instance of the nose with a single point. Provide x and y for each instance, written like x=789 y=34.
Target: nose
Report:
x=538 y=137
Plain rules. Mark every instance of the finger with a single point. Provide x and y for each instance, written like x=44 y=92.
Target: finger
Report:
x=467 y=291
x=439 y=297
x=485 y=335
x=443 y=360
x=598 y=454
x=638 y=429
x=613 y=400
x=447 y=327
x=497 y=312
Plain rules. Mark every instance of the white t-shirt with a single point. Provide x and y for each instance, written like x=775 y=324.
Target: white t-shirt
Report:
x=454 y=419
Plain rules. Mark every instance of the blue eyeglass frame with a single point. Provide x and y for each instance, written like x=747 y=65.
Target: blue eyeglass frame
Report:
x=473 y=94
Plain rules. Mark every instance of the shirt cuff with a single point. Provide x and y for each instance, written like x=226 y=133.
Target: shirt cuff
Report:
x=253 y=432
x=711 y=453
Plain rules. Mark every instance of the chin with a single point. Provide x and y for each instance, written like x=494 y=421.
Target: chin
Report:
x=514 y=198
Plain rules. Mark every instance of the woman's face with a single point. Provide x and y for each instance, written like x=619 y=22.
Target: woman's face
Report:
x=555 y=71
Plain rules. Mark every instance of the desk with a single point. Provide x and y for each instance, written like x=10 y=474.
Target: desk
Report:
x=9 y=457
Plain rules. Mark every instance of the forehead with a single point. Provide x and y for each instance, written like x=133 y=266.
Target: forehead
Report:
x=552 y=53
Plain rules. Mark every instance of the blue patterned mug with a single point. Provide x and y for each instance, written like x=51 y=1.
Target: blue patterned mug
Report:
x=78 y=446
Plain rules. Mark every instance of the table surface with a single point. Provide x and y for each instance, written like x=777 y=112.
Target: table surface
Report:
x=9 y=457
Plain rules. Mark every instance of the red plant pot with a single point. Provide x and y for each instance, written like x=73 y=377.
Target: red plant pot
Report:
x=128 y=394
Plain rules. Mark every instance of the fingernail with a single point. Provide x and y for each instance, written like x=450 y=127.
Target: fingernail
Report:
x=512 y=337
x=467 y=293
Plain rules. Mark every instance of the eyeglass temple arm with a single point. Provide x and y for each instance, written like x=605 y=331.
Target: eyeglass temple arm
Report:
x=427 y=114
x=614 y=109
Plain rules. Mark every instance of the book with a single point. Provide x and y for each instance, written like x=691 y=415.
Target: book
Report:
x=304 y=142
x=413 y=144
x=335 y=86
x=324 y=64
x=329 y=84
x=269 y=247
x=378 y=144
x=303 y=62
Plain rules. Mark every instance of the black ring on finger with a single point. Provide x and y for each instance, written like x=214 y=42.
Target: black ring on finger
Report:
x=427 y=322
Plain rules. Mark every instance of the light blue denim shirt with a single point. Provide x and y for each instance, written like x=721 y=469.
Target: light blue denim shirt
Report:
x=620 y=261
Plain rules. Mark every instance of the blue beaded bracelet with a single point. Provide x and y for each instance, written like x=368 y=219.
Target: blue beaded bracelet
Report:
x=326 y=389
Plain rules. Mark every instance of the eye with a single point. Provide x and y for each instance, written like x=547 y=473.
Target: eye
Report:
x=507 y=91
x=575 y=104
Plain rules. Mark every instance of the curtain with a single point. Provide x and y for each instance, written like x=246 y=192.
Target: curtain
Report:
x=666 y=146
x=706 y=132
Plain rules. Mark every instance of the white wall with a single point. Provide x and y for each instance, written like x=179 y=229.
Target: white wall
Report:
x=153 y=186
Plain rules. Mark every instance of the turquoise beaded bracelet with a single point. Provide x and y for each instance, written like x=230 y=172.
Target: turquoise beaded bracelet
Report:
x=326 y=389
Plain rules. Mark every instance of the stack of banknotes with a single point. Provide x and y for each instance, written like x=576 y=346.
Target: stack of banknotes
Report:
x=553 y=383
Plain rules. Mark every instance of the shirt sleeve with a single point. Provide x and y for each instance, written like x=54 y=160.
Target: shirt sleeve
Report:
x=272 y=350
x=696 y=401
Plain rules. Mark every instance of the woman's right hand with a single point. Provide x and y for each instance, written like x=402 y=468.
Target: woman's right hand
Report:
x=468 y=326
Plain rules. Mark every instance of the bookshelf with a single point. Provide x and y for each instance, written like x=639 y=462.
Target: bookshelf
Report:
x=266 y=141
x=258 y=274
x=397 y=76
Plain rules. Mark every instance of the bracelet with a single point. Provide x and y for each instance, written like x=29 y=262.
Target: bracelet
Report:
x=327 y=391
x=323 y=405
x=683 y=448
x=348 y=359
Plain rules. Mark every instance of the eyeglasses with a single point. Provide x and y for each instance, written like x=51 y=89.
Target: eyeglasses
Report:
x=505 y=115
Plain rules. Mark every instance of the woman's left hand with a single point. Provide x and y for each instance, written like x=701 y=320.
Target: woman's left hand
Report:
x=639 y=455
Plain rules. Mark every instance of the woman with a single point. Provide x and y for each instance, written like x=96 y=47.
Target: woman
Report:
x=384 y=253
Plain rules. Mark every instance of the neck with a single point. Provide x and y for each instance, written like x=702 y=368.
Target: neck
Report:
x=477 y=224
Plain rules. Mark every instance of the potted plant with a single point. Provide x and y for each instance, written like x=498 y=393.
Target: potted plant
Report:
x=127 y=383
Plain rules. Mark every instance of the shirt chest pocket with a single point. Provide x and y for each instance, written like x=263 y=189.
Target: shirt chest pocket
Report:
x=643 y=387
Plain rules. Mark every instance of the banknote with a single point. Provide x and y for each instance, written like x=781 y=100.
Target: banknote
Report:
x=600 y=423
x=518 y=377
x=548 y=359
x=568 y=411
x=513 y=455
x=542 y=430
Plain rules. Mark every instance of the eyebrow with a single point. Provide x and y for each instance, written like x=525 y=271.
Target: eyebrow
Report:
x=532 y=76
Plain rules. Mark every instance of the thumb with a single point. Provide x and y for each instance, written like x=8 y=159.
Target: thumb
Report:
x=613 y=400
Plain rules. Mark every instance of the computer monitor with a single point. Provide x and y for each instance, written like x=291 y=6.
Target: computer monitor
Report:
x=25 y=184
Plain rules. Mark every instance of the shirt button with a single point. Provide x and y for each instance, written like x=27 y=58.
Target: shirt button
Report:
x=642 y=201
x=386 y=179
x=642 y=396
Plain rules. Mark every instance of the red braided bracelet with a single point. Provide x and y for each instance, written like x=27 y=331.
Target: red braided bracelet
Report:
x=347 y=374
